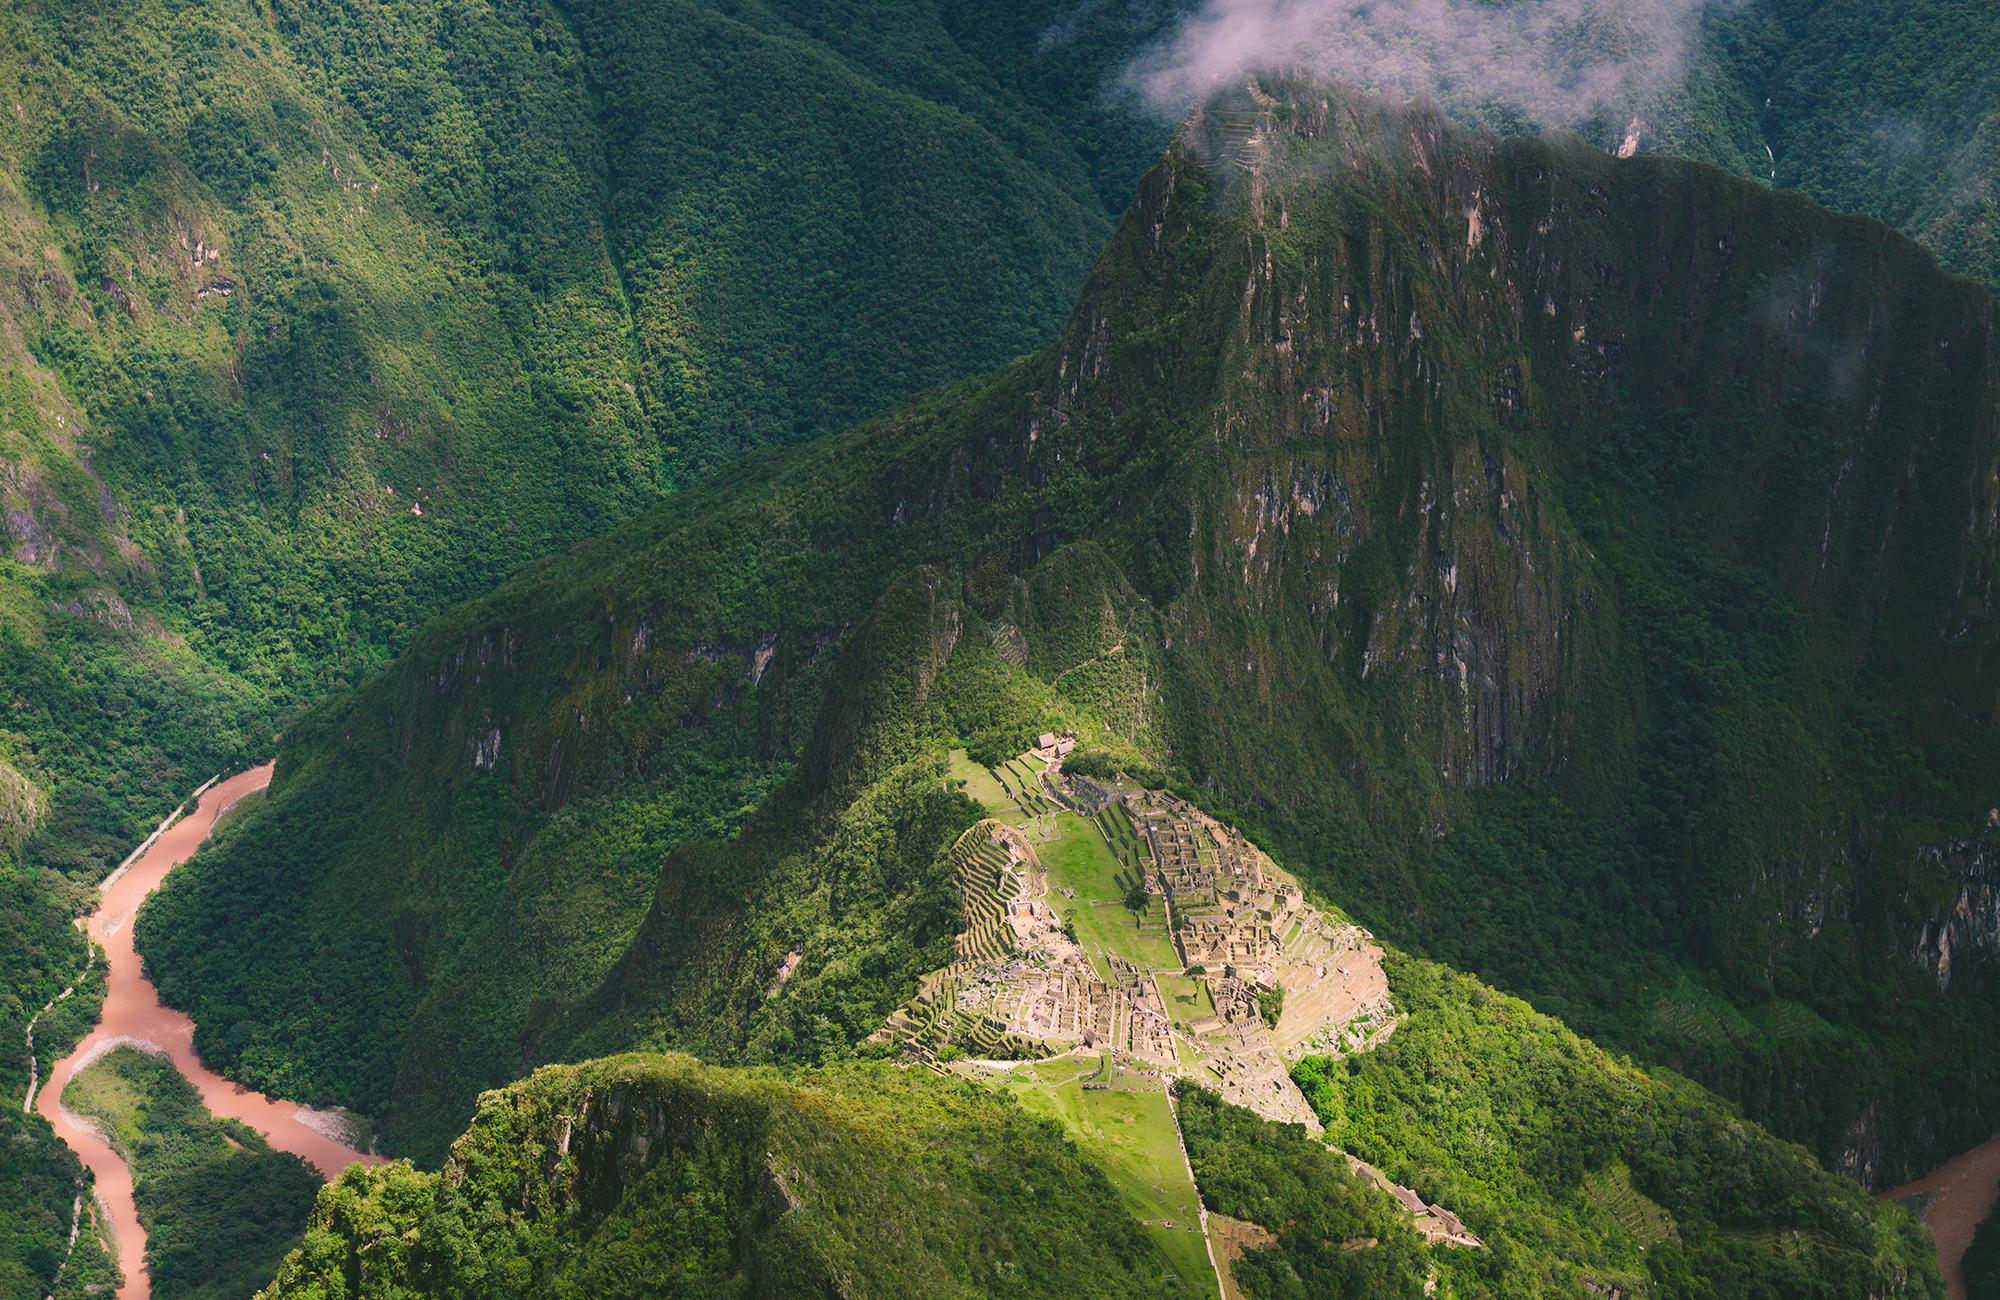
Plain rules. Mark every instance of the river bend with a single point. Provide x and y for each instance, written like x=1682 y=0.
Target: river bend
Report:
x=133 y=1016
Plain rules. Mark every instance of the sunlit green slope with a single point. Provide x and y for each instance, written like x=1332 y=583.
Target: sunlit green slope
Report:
x=651 y=1175
x=316 y=319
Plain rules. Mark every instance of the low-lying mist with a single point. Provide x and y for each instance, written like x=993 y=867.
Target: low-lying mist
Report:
x=1537 y=62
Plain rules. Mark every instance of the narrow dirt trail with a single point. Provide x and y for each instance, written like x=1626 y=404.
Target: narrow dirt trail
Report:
x=133 y=1016
x=1967 y=1186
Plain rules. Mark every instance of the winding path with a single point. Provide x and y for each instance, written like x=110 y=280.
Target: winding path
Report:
x=1966 y=1186
x=133 y=1016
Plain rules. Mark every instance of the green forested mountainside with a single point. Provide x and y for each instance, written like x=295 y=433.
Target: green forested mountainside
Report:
x=651 y=1175
x=318 y=318
x=1575 y=566
x=219 y=1207
x=1889 y=109
x=40 y=1180
x=1286 y=1181
x=645 y=1174
x=1565 y=1161
x=353 y=314
x=1982 y=1261
x=277 y=278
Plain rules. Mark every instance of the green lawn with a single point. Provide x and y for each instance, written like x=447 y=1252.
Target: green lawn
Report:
x=1187 y=999
x=105 y=1094
x=1081 y=860
x=1130 y=1131
x=1061 y=1070
x=1085 y=863
x=981 y=784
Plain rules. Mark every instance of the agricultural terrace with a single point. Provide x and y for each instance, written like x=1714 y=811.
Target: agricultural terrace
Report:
x=1097 y=1006
x=1012 y=793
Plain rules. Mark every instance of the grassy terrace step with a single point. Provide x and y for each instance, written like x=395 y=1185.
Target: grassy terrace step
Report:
x=1611 y=1191
x=980 y=923
x=987 y=943
x=1788 y=1243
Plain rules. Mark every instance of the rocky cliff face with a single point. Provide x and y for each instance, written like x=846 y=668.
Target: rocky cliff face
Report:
x=1968 y=925
x=1424 y=374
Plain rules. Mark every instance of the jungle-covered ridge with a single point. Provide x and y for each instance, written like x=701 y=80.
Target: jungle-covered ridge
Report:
x=317 y=319
x=1572 y=566
x=316 y=322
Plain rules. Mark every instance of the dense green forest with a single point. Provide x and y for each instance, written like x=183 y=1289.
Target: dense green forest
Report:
x=40 y=1183
x=1889 y=109
x=1561 y=1157
x=1289 y=1183
x=1982 y=1261
x=219 y=1207
x=317 y=320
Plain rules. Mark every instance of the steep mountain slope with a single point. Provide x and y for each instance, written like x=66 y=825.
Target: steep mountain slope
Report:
x=388 y=306
x=1579 y=1173
x=316 y=319
x=656 y=1175
x=1578 y=567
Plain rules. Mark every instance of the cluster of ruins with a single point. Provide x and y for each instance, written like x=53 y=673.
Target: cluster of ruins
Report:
x=1022 y=986
x=1262 y=977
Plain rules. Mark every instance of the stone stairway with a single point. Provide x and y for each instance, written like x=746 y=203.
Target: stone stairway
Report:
x=1235 y=137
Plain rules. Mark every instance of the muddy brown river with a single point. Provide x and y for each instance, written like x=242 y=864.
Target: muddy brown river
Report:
x=133 y=1016
x=1966 y=1187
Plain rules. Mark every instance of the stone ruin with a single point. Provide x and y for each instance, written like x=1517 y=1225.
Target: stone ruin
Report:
x=1019 y=987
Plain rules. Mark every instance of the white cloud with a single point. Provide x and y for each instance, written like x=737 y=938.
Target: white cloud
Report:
x=1554 y=62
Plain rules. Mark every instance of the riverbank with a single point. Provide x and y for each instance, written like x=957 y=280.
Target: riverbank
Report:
x=133 y=1015
x=1965 y=1188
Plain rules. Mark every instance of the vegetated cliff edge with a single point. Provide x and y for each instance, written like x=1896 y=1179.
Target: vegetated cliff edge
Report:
x=1581 y=568
x=623 y=1176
